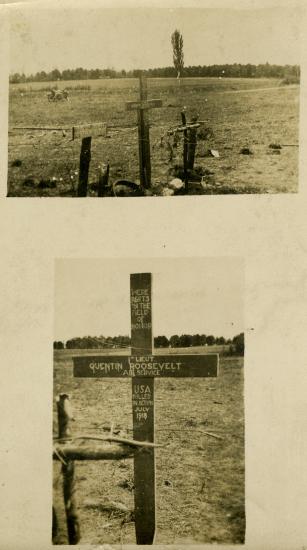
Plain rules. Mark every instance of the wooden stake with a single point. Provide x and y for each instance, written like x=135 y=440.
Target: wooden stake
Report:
x=68 y=471
x=103 y=181
x=185 y=150
x=85 y=157
x=191 y=147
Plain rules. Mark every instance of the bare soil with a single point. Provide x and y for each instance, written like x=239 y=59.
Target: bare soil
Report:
x=240 y=113
x=199 y=479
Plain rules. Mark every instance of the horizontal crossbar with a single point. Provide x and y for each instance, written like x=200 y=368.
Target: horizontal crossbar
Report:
x=149 y=104
x=174 y=366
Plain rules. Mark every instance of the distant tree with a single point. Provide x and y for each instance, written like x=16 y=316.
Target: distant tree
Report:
x=177 y=44
x=196 y=340
x=185 y=341
x=58 y=345
x=174 y=341
x=210 y=340
x=161 y=342
x=238 y=343
x=203 y=339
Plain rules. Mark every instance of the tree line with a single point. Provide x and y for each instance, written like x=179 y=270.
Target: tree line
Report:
x=234 y=70
x=235 y=344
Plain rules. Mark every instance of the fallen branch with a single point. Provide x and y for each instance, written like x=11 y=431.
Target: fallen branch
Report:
x=112 y=438
x=90 y=452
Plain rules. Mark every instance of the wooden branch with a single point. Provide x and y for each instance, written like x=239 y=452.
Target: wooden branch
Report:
x=184 y=127
x=112 y=438
x=90 y=452
x=210 y=434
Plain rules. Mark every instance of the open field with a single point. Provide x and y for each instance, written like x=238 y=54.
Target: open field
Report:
x=241 y=113
x=199 y=479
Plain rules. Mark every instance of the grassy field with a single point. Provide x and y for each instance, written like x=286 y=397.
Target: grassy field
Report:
x=240 y=113
x=199 y=479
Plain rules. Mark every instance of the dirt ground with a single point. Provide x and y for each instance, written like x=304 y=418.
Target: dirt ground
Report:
x=237 y=113
x=199 y=479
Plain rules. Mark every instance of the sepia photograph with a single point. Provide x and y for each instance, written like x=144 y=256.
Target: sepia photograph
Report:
x=148 y=401
x=142 y=102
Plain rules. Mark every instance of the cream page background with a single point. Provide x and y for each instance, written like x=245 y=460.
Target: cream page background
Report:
x=269 y=232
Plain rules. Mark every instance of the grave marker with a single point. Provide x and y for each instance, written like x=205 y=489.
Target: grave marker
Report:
x=142 y=107
x=143 y=367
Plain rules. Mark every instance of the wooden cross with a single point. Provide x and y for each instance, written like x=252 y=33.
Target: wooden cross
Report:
x=142 y=107
x=143 y=367
x=189 y=130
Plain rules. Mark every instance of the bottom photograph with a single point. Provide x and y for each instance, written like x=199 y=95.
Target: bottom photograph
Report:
x=148 y=401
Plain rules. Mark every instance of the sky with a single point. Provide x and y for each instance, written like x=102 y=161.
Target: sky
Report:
x=204 y=296
x=42 y=38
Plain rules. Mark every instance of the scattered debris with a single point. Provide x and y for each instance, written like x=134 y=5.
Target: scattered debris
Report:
x=205 y=133
x=29 y=182
x=111 y=506
x=167 y=483
x=126 y=484
x=47 y=183
x=246 y=151
x=167 y=192
x=17 y=162
x=126 y=188
x=214 y=153
x=176 y=184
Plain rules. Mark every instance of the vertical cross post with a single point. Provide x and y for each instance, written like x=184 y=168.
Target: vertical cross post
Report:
x=143 y=409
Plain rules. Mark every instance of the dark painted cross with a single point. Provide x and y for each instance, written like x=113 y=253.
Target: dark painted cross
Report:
x=142 y=107
x=143 y=367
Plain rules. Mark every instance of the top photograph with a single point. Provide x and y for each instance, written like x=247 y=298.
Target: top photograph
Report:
x=149 y=102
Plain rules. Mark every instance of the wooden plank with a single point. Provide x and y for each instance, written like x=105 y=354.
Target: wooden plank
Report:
x=156 y=366
x=85 y=158
x=86 y=130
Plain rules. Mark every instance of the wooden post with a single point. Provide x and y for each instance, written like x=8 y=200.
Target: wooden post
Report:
x=185 y=150
x=145 y=164
x=103 y=181
x=68 y=471
x=85 y=157
x=192 y=146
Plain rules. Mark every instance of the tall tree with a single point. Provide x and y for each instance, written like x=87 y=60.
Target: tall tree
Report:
x=177 y=44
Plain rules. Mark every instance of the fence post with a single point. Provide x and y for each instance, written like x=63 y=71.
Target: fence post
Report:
x=192 y=147
x=185 y=150
x=85 y=157
x=68 y=471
